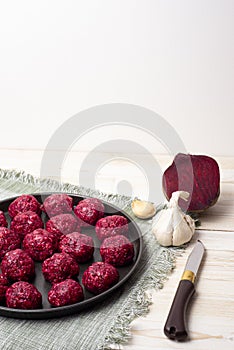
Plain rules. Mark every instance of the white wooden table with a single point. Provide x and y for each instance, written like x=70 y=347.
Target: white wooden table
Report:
x=211 y=314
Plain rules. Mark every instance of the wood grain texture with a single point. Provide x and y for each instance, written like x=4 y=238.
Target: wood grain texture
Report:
x=211 y=312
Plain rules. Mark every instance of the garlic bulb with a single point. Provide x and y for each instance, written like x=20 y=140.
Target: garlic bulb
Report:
x=172 y=226
x=143 y=209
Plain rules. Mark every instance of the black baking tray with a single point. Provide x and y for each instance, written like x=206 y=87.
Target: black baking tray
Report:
x=47 y=311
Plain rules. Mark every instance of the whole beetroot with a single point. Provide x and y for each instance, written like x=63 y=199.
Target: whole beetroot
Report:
x=197 y=175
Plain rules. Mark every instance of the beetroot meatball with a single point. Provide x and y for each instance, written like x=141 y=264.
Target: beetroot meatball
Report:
x=8 y=241
x=24 y=203
x=99 y=277
x=89 y=210
x=3 y=222
x=110 y=226
x=62 y=224
x=65 y=293
x=23 y=295
x=117 y=250
x=57 y=204
x=59 y=267
x=4 y=284
x=79 y=246
x=40 y=244
x=17 y=265
x=26 y=222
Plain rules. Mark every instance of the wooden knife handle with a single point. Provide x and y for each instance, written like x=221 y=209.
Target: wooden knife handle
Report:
x=175 y=327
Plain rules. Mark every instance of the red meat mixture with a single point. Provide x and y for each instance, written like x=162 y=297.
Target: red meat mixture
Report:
x=24 y=203
x=62 y=224
x=89 y=210
x=17 y=265
x=26 y=222
x=79 y=246
x=65 y=293
x=8 y=241
x=57 y=204
x=99 y=277
x=40 y=244
x=117 y=250
x=59 y=267
x=112 y=225
x=23 y=295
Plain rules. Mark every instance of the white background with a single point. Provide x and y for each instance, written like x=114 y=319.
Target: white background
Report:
x=175 y=57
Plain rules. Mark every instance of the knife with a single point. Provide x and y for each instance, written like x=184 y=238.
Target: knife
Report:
x=175 y=326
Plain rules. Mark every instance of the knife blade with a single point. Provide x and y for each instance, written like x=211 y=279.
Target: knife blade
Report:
x=175 y=327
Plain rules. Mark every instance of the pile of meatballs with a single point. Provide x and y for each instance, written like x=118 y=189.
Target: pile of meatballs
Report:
x=60 y=247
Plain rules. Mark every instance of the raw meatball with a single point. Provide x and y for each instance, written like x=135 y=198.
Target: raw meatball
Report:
x=40 y=244
x=117 y=250
x=24 y=203
x=23 y=295
x=8 y=241
x=89 y=210
x=27 y=222
x=110 y=226
x=59 y=267
x=17 y=265
x=62 y=224
x=3 y=222
x=79 y=246
x=65 y=293
x=4 y=284
x=57 y=204
x=99 y=277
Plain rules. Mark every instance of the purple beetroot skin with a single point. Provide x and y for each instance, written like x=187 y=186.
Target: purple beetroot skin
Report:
x=196 y=174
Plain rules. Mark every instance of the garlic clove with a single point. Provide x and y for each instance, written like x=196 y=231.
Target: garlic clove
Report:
x=143 y=209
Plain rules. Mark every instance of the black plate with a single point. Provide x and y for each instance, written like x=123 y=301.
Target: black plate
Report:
x=89 y=299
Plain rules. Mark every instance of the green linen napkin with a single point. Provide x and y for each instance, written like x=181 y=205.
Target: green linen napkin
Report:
x=107 y=324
